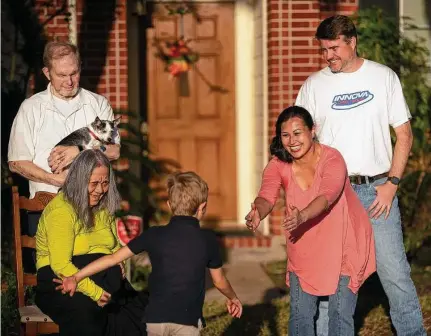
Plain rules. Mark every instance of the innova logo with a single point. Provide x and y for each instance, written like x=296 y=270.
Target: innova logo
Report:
x=351 y=100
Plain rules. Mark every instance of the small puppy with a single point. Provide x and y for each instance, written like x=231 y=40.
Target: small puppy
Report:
x=99 y=132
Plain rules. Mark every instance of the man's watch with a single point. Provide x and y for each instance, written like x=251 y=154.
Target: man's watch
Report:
x=394 y=180
x=102 y=148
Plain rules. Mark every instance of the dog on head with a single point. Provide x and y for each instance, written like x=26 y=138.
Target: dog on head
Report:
x=99 y=132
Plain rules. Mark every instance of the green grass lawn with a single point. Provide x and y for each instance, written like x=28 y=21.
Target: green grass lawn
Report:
x=272 y=318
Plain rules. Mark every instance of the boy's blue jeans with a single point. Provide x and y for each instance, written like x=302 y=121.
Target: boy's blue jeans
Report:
x=393 y=269
x=303 y=308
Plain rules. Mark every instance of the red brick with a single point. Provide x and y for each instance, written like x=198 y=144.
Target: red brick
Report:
x=259 y=241
x=298 y=43
x=273 y=6
x=273 y=44
x=316 y=5
x=273 y=34
x=276 y=230
x=302 y=51
x=304 y=15
x=273 y=51
x=296 y=7
x=303 y=33
x=300 y=24
x=274 y=78
x=273 y=25
x=273 y=16
x=347 y=8
x=304 y=69
x=229 y=242
x=296 y=87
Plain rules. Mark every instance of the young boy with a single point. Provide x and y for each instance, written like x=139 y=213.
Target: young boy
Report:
x=179 y=252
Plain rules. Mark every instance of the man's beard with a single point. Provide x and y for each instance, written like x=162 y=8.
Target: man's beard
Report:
x=69 y=94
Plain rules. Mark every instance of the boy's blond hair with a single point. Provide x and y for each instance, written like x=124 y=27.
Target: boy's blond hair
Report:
x=186 y=192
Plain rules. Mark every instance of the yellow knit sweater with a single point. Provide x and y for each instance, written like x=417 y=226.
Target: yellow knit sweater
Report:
x=60 y=236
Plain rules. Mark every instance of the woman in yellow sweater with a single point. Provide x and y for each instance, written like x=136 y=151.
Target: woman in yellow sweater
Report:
x=76 y=228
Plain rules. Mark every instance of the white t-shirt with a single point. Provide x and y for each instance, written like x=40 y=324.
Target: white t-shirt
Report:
x=39 y=126
x=66 y=107
x=353 y=111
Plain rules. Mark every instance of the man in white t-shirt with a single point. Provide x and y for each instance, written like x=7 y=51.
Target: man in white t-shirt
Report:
x=47 y=117
x=354 y=102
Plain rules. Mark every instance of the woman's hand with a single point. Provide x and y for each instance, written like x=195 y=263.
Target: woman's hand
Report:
x=293 y=218
x=104 y=299
x=67 y=284
x=252 y=218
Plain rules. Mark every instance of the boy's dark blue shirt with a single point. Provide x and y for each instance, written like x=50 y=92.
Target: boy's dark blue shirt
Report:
x=179 y=252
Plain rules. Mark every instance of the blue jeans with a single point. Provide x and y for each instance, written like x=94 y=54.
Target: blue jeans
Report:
x=393 y=269
x=303 y=308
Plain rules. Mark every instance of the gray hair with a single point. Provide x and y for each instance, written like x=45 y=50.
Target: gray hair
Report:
x=58 y=49
x=75 y=188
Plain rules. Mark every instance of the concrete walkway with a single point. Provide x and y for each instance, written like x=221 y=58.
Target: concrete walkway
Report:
x=247 y=276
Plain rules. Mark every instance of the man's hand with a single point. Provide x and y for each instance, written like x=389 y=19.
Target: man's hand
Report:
x=252 y=218
x=383 y=202
x=234 y=307
x=62 y=156
x=293 y=218
x=104 y=299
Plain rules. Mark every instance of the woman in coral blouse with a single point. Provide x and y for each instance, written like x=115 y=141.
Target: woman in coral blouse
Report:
x=330 y=245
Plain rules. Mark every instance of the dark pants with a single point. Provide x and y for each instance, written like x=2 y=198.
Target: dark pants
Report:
x=81 y=316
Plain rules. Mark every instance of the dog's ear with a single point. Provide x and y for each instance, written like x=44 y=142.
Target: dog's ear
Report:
x=117 y=121
x=97 y=121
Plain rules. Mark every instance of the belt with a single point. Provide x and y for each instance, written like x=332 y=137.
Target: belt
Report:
x=359 y=179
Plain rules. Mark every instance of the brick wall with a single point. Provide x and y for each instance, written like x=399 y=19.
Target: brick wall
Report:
x=102 y=40
x=292 y=56
x=57 y=27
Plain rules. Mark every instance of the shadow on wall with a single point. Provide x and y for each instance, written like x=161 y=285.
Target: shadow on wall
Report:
x=97 y=22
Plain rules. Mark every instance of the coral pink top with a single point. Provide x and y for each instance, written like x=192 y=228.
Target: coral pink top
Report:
x=338 y=242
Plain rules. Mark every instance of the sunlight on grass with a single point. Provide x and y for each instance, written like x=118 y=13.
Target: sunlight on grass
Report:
x=271 y=319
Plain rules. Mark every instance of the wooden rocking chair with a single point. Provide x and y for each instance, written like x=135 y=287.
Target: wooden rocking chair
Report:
x=33 y=321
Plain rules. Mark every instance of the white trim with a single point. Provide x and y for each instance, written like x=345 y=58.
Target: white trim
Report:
x=265 y=125
x=244 y=106
x=73 y=34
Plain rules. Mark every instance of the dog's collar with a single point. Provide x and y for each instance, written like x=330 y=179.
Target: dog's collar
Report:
x=93 y=135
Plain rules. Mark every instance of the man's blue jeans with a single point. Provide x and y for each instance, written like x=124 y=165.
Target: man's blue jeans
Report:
x=303 y=308
x=393 y=269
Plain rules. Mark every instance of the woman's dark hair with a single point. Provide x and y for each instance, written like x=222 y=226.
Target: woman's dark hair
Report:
x=75 y=187
x=276 y=148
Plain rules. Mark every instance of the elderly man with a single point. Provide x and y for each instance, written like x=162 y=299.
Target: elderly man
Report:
x=47 y=117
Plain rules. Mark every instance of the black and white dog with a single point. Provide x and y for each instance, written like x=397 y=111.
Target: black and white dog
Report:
x=98 y=133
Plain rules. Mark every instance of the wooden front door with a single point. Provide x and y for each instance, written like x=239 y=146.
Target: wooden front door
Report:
x=197 y=129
